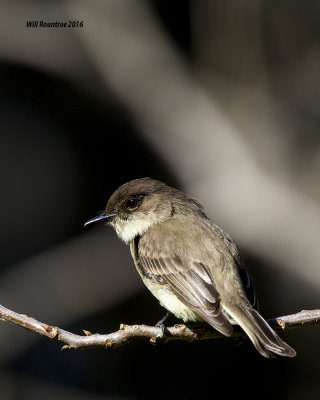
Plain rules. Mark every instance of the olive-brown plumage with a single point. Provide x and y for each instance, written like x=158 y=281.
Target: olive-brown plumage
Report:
x=187 y=261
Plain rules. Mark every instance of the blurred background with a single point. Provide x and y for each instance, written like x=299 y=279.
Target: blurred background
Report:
x=219 y=98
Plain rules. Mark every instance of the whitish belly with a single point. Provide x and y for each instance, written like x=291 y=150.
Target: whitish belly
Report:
x=171 y=302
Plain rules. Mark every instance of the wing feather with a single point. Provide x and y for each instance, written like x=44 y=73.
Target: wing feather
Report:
x=192 y=283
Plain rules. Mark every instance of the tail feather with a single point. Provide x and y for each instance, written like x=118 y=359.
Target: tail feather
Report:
x=265 y=340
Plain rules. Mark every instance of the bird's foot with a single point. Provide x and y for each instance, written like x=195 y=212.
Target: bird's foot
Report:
x=160 y=323
x=164 y=331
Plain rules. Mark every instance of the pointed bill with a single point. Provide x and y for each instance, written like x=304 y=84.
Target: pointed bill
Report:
x=100 y=218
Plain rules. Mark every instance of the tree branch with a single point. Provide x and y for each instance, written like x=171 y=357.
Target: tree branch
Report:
x=128 y=333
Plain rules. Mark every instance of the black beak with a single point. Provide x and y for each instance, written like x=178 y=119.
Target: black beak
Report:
x=100 y=218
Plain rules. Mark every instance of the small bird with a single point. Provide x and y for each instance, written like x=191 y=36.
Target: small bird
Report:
x=187 y=262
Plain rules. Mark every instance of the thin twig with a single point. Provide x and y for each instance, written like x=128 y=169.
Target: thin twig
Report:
x=128 y=333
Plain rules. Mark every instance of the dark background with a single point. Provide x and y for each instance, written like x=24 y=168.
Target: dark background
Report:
x=73 y=129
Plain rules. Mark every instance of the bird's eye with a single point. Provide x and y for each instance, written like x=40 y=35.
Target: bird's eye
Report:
x=132 y=204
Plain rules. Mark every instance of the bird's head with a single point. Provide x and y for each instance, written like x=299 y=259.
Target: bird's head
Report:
x=137 y=205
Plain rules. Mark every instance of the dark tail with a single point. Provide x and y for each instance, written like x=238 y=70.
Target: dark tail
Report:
x=265 y=340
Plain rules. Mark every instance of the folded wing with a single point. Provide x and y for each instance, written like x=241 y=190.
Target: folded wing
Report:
x=192 y=283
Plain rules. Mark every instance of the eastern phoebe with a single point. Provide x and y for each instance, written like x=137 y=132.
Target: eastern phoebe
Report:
x=187 y=262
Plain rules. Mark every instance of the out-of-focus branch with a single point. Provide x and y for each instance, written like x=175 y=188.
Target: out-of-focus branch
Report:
x=204 y=146
x=128 y=333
